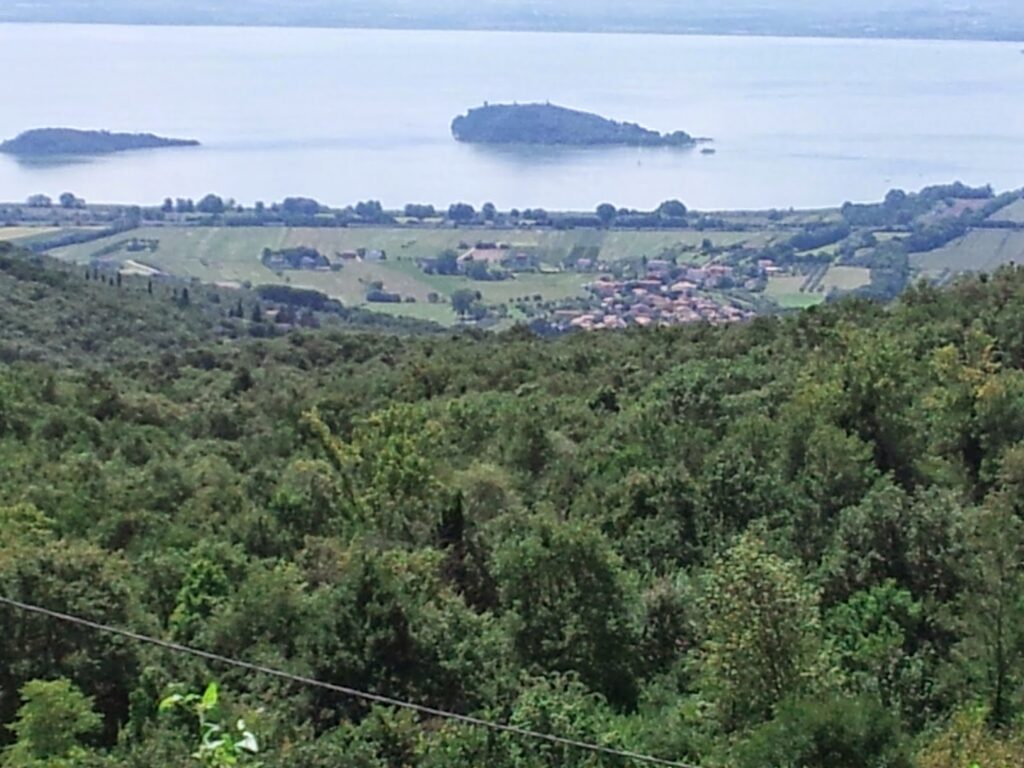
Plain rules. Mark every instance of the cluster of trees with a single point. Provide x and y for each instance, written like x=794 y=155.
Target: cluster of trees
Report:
x=377 y=294
x=928 y=226
x=419 y=211
x=671 y=213
x=292 y=211
x=300 y=211
x=901 y=208
x=447 y=263
x=466 y=303
x=39 y=201
x=461 y=213
x=370 y=211
x=798 y=541
x=819 y=236
x=211 y=205
x=484 y=272
x=299 y=206
x=70 y=200
x=921 y=221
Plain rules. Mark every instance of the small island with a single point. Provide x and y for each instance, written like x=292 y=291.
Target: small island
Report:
x=44 y=142
x=547 y=124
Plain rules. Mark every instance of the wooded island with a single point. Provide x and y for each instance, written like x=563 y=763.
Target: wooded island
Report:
x=70 y=141
x=547 y=124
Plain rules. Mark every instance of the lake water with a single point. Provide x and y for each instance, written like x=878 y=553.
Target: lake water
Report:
x=344 y=115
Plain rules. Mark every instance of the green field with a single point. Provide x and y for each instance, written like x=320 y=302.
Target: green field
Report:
x=978 y=250
x=787 y=292
x=846 y=278
x=232 y=255
x=435 y=313
x=14 y=234
x=209 y=246
x=793 y=291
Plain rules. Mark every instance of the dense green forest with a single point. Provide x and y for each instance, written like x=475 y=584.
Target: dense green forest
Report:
x=797 y=541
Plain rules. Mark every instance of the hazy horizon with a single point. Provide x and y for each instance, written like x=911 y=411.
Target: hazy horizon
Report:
x=968 y=19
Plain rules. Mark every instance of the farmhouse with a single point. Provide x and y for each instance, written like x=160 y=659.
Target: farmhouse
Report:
x=605 y=288
x=658 y=267
x=650 y=286
x=299 y=258
x=683 y=288
x=518 y=261
x=485 y=252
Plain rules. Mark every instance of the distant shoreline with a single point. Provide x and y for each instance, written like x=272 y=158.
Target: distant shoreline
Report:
x=1014 y=37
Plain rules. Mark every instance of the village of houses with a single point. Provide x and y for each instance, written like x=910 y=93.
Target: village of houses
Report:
x=665 y=296
x=618 y=294
x=621 y=294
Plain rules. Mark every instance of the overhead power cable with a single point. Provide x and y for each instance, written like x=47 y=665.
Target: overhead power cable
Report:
x=515 y=730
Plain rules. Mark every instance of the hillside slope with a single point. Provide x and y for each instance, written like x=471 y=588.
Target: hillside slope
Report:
x=795 y=541
x=67 y=315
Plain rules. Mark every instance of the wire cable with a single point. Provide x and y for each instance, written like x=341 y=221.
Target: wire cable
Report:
x=343 y=689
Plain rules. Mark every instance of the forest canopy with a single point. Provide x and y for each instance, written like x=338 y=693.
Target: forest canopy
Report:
x=793 y=541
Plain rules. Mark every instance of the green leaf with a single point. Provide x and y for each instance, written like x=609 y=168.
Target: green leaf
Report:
x=209 y=700
x=170 y=702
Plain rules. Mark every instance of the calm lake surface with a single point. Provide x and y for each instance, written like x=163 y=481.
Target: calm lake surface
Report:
x=344 y=115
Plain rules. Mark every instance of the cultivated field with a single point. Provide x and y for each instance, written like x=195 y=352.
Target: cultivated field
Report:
x=846 y=278
x=206 y=247
x=978 y=250
x=787 y=292
x=232 y=255
x=796 y=291
x=14 y=234
x=1013 y=213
